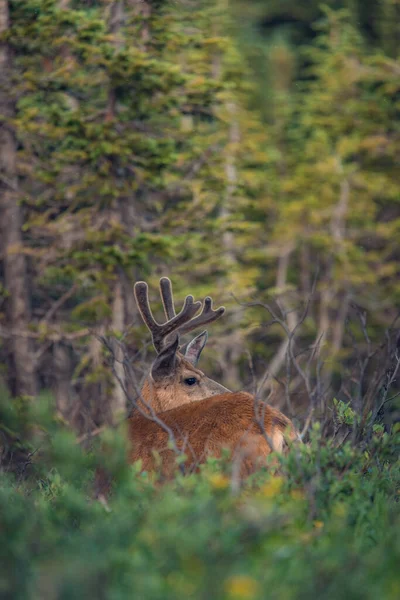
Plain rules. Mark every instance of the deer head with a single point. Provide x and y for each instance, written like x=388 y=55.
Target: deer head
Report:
x=174 y=379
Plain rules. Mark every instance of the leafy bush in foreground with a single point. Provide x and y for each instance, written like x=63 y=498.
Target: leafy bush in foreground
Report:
x=325 y=527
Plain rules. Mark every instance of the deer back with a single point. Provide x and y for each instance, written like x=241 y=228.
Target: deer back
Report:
x=205 y=428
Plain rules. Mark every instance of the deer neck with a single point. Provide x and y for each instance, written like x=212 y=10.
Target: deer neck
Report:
x=155 y=398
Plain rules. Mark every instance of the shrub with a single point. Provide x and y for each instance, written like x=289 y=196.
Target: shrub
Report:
x=325 y=527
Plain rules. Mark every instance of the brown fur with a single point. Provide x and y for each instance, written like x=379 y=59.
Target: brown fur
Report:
x=165 y=387
x=204 y=418
x=205 y=428
x=172 y=391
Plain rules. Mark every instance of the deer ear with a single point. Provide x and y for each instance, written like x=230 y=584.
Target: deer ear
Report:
x=165 y=363
x=195 y=347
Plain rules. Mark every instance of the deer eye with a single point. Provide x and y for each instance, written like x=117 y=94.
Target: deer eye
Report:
x=190 y=380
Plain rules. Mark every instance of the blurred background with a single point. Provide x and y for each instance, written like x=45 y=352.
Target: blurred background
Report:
x=247 y=149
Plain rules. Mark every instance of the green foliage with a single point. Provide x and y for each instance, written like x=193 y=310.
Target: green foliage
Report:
x=290 y=535
x=345 y=415
x=331 y=205
x=142 y=152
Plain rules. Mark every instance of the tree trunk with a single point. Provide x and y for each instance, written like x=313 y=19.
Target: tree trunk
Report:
x=230 y=345
x=118 y=404
x=334 y=303
x=18 y=310
x=62 y=371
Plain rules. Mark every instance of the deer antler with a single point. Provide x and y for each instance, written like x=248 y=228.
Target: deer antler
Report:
x=167 y=297
x=160 y=332
x=181 y=323
x=207 y=315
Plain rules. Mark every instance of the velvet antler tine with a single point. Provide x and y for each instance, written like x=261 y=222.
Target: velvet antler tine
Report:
x=167 y=297
x=180 y=323
x=190 y=308
x=207 y=315
x=141 y=290
x=160 y=332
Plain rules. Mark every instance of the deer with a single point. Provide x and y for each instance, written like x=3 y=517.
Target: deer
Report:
x=174 y=379
x=182 y=410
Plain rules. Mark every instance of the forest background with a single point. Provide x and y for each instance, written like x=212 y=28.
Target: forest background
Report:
x=250 y=150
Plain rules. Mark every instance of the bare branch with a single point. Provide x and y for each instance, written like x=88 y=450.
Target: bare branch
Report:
x=54 y=336
x=54 y=308
x=139 y=402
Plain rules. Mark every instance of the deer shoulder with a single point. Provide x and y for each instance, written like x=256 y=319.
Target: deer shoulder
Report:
x=234 y=421
x=180 y=409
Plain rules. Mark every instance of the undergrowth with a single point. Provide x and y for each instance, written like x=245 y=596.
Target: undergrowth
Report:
x=324 y=525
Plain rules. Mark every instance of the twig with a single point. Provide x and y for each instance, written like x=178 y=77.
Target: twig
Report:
x=391 y=378
x=9 y=183
x=93 y=433
x=149 y=413
x=54 y=337
x=307 y=423
x=53 y=309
